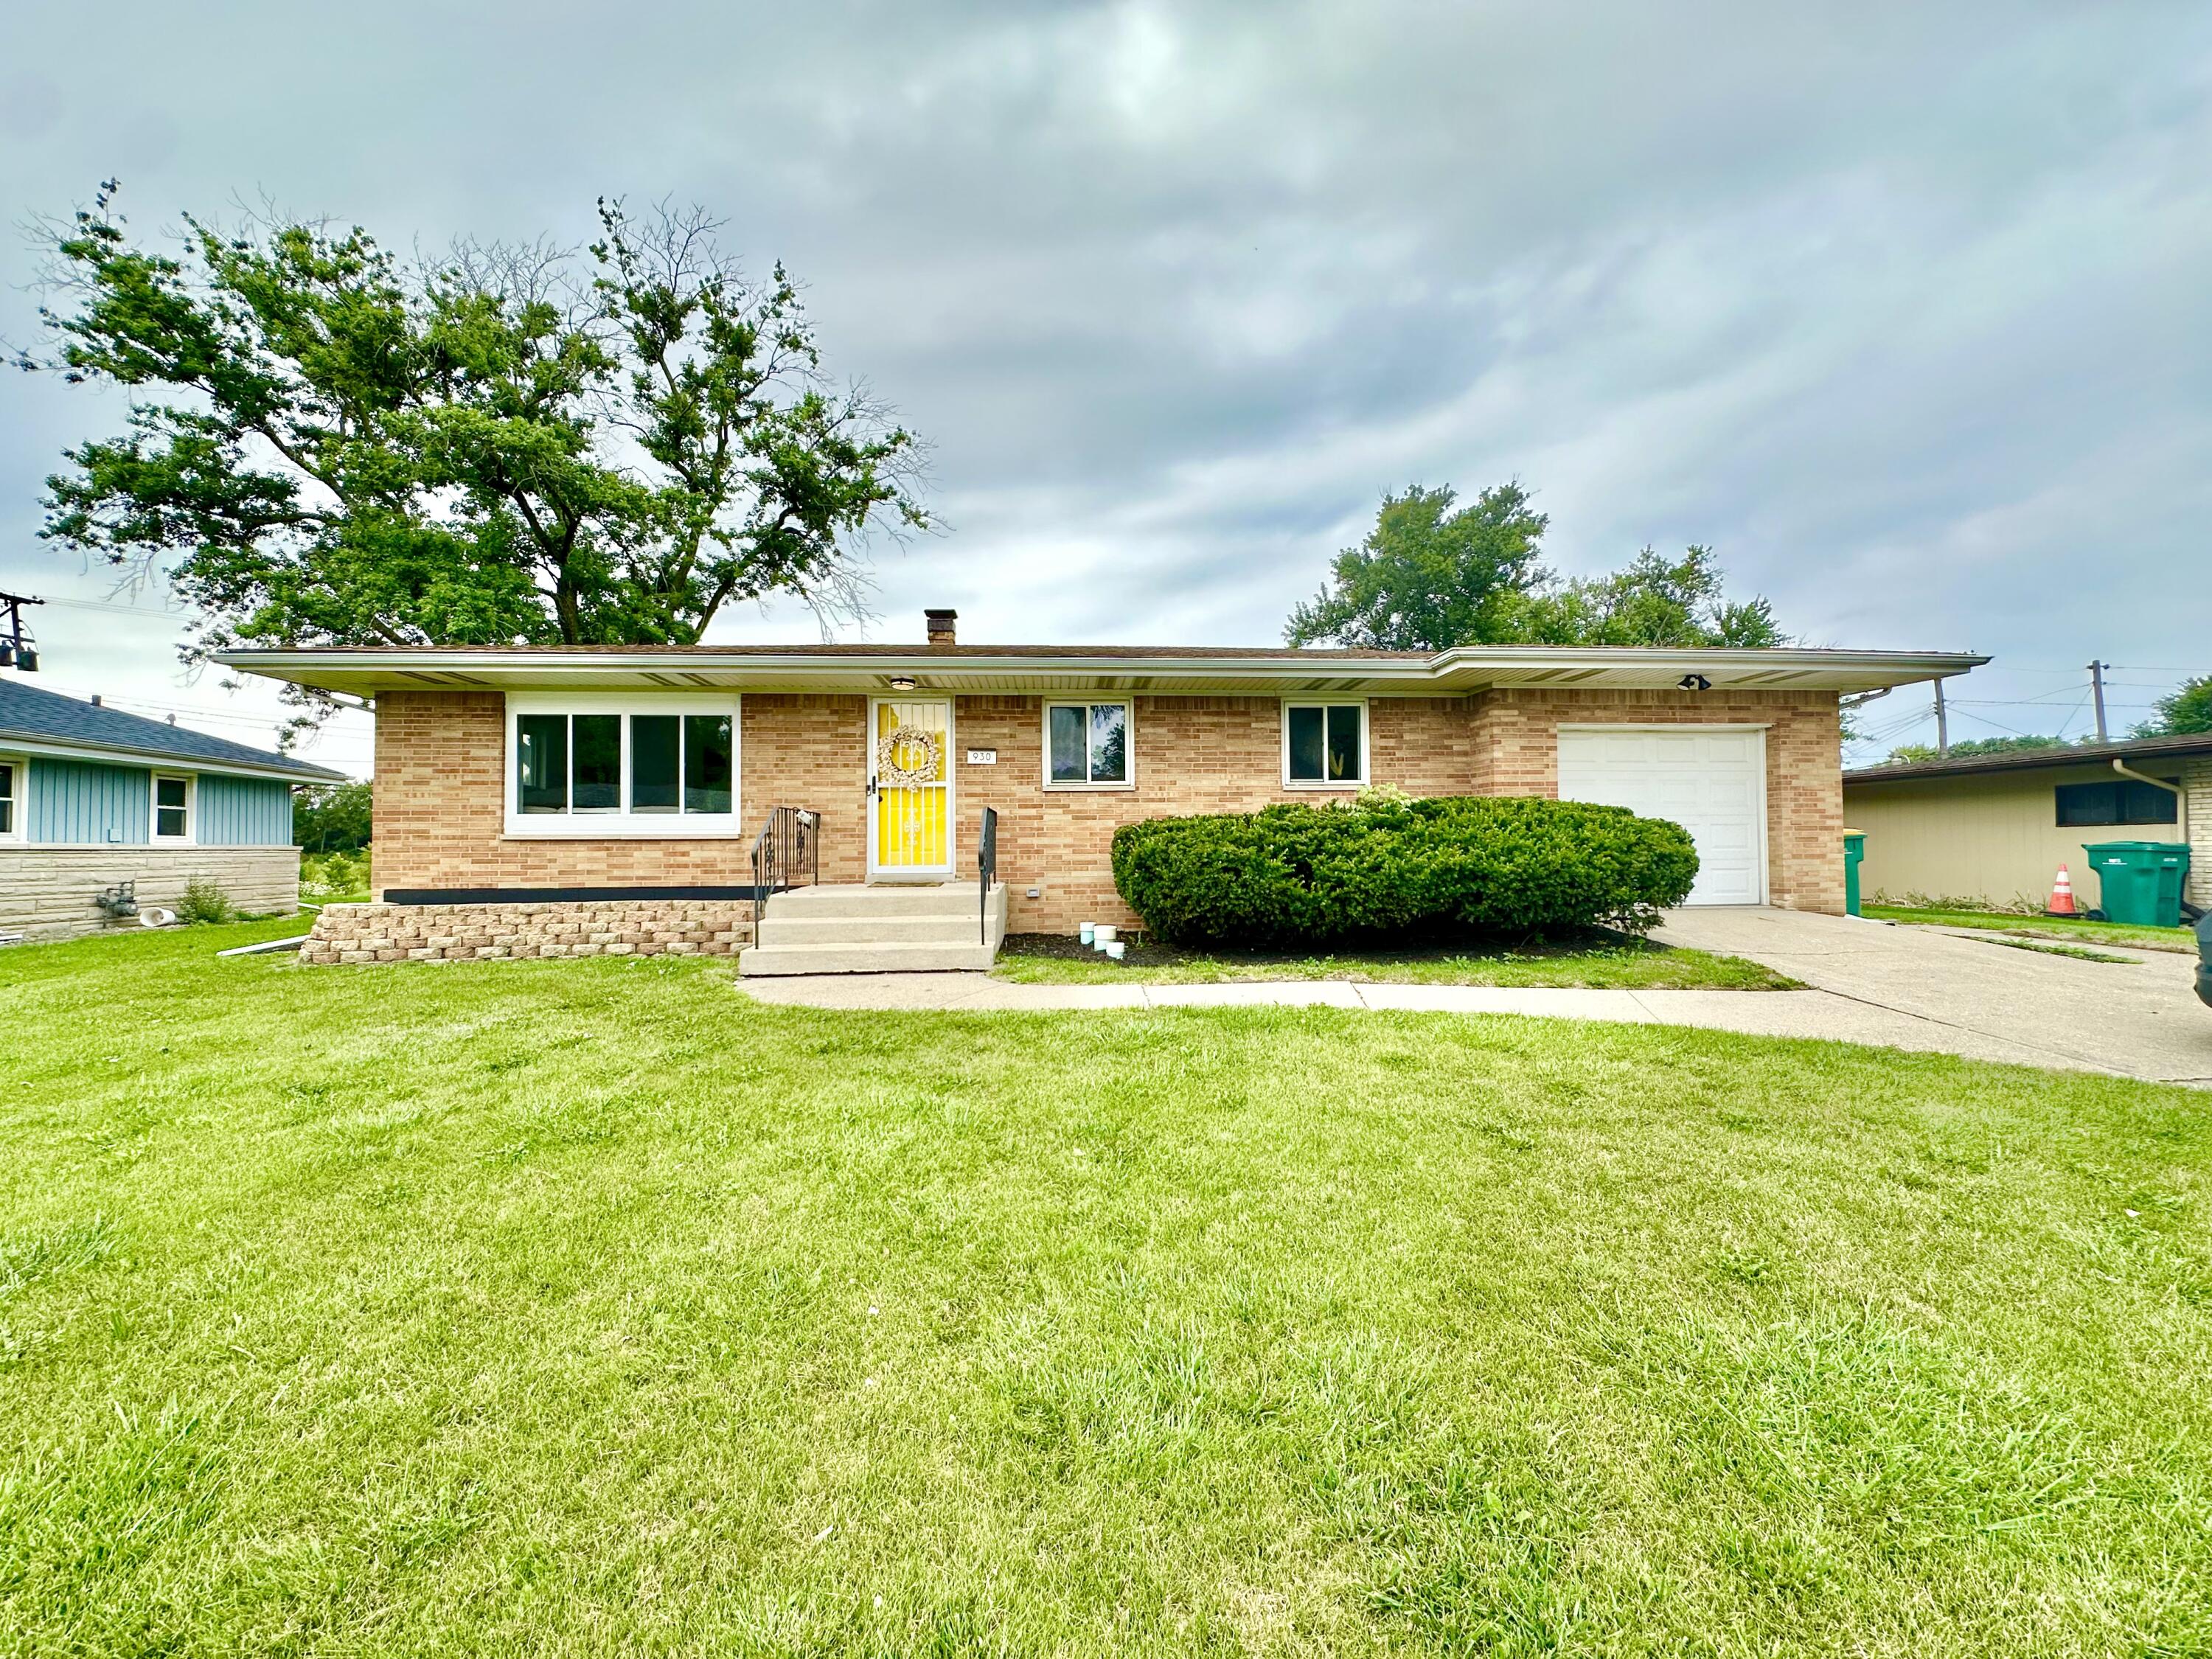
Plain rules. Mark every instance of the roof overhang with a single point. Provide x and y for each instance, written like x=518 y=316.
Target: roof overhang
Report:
x=366 y=672
x=79 y=749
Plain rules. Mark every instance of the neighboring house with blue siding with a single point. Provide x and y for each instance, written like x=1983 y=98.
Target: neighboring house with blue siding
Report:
x=91 y=798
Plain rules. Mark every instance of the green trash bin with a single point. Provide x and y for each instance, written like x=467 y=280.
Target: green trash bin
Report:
x=2140 y=881
x=1854 y=853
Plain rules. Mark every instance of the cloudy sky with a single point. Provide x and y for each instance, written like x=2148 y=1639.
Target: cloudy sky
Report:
x=1902 y=309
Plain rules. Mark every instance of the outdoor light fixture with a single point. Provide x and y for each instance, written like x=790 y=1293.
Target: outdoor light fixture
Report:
x=902 y=681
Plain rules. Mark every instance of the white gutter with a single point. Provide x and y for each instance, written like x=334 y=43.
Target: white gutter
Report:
x=1563 y=665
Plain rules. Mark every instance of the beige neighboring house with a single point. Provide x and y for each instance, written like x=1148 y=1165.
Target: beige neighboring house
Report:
x=569 y=800
x=1997 y=826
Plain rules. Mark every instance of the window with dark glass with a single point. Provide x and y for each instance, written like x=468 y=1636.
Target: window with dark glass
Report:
x=1323 y=740
x=706 y=769
x=639 y=765
x=171 y=809
x=655 y=763
x=2121 y=801
x=596 y=780
x=541 y=763
x=1087 y=742
x=7 y=774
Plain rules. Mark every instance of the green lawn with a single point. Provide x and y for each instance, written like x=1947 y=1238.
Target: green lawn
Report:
x=2057 y=927
x=590 y=1307
x=1601 y=961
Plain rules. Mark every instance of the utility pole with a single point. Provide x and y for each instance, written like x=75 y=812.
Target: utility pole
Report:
x=1943 y=726
x=2096 y=685
x=16 y=648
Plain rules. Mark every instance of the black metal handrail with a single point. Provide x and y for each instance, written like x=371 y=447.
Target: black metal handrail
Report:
x=788 y=846
x=987 y=865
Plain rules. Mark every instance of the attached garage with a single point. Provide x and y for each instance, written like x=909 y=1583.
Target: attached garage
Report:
x=1712 y=780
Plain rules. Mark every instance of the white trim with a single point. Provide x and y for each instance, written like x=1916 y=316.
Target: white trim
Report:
x=877 y=871
x=623 y=825
x=1128 y=704
x=19 y=798
x=1325 y=785
x=1761 y=858
x=191 y=835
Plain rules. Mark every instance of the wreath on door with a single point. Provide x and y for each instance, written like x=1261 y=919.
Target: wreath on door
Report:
x=890 y=775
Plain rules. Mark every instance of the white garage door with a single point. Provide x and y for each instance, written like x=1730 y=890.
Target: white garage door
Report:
x=1711 y=783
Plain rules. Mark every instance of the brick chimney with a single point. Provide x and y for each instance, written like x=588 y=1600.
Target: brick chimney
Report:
x=941 y=625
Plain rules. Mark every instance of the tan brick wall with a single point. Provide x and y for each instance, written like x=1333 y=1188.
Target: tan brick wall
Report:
x=441 y=815
x=2195 y=777
x=1192 y=755
x=47 y=892
x=440 y=819
x=470 y=933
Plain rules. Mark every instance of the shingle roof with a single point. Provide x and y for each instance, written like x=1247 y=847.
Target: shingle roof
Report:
x=28 y=714
x=2024 y=760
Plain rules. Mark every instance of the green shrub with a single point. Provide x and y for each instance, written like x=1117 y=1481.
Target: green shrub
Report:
x=204 y=902
x=1294 y=875
x=334 y=875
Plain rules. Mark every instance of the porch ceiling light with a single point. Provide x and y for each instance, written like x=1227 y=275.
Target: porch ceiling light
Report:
x=902 y=681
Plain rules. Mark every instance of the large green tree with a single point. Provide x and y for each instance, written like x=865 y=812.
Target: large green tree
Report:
x=2187 y=710
x=329 y=445
x=1431 y=574
x=1652 y=601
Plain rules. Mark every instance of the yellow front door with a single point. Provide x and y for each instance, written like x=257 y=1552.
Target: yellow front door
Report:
x=910 y=769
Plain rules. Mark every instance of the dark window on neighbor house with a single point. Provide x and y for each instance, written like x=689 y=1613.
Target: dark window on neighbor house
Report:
x=2121 y=801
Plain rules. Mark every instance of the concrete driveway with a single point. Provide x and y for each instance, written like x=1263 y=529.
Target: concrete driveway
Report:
x=1969 y=995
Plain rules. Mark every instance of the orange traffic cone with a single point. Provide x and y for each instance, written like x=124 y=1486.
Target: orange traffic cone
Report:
x=2062 y=895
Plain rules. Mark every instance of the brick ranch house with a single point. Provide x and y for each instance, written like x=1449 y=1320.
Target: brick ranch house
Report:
x=634 y=780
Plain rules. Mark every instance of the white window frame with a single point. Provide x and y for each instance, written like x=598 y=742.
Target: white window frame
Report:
x=1128 y=707
x=1327 y=786
x=191 y=835
x=19 y=797
x=623 y=825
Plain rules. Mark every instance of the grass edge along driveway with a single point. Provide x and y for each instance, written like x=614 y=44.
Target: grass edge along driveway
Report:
x=588 y=1307
x=2021 y=924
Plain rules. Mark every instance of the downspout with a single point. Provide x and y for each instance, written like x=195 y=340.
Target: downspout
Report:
x=2180 y=798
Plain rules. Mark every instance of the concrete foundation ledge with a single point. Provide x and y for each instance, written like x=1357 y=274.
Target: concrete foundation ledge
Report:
x=354 y=934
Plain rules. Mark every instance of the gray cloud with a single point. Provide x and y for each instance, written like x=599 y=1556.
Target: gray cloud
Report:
x=1896 y=305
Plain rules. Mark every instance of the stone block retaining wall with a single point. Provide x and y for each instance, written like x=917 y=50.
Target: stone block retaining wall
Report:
x=470 y=933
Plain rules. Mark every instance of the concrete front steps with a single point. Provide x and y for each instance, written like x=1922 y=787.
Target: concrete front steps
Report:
x=852 y=929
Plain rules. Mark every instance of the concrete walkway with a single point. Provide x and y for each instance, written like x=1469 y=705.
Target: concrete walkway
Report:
x=2139 y=1018
x=1895 y=987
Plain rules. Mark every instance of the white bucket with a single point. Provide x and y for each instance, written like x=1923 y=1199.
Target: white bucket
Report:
x=1083 y=932
x=1103 y=933
x=1116 y=950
